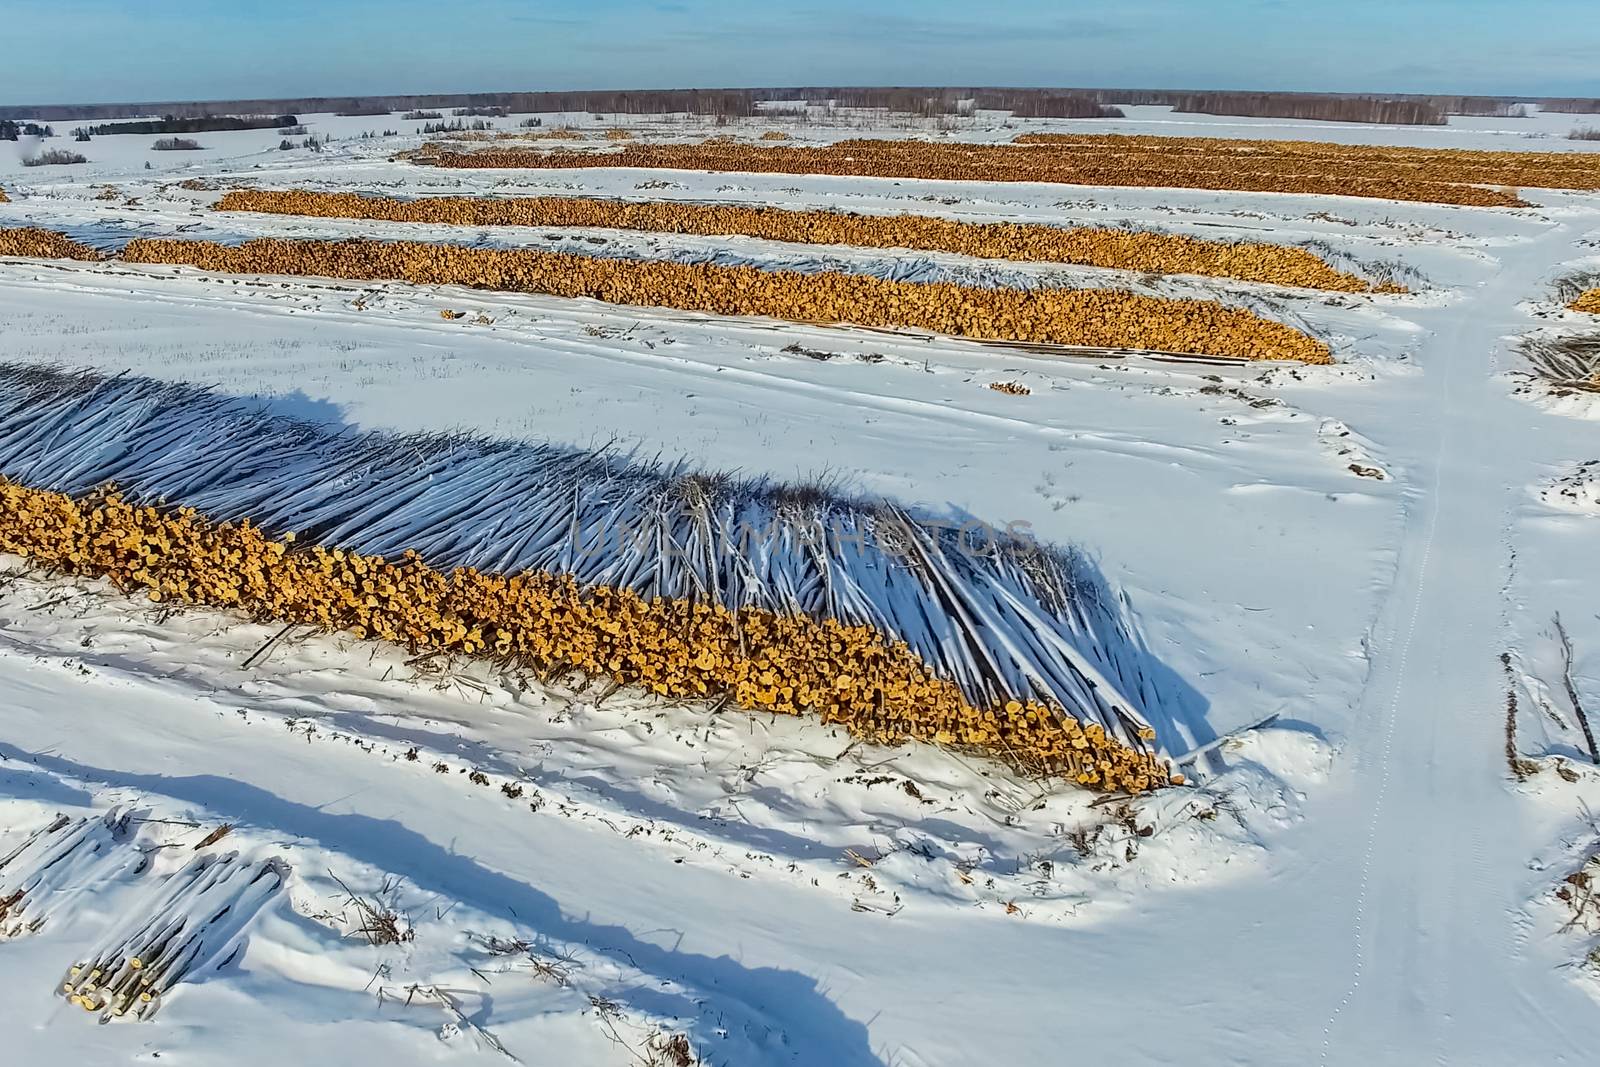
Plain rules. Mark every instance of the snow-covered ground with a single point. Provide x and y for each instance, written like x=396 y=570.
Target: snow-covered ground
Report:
x=1344 y=553
x=1538 y=132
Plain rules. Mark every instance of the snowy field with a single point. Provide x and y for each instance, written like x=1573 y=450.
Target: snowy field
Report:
x=1348 y=571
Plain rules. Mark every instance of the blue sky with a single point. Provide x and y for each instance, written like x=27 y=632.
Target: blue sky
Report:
x=108 y=50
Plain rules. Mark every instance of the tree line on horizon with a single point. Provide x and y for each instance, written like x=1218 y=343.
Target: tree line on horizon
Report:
x=1398 y=108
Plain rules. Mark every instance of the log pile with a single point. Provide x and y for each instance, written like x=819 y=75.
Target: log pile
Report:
x=1534 y=170
x=197 y=917
x=1112 y=248
x=1473 y=178
x=559 y=561
x=43 y=244
x=1092 y=317
x=675 y=648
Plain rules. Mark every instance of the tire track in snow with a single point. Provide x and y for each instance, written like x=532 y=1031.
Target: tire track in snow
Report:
x=1437 y=950
x=1386 y=755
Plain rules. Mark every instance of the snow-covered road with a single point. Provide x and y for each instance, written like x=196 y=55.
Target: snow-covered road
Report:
x=1432 y=844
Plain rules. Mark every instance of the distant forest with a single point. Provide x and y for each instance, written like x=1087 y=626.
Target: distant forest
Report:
x=1590 y=106
x=196 y=124
x=11 y=131
x=1326 y=108
x=1399 y=108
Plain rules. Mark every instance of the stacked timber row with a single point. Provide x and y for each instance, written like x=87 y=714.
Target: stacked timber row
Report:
x=1481 y=179
x=1534 y=170
x=1092 y=317
x=688 y=586
x=1095 y=247
x=43 y=244
x=1588 y=301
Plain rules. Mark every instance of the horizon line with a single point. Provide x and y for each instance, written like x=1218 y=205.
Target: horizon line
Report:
x=333 y=97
